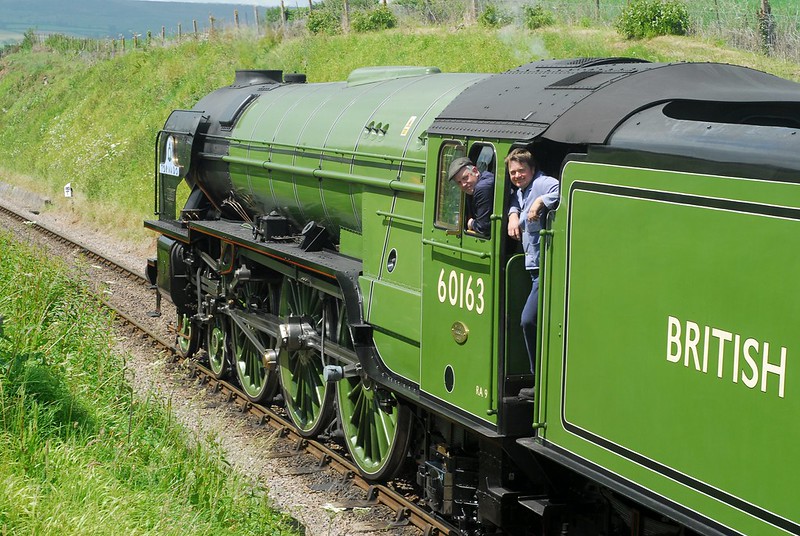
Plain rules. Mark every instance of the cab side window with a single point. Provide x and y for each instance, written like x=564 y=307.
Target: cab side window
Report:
x=483 y=156
x=448 y=194
x=479 y=195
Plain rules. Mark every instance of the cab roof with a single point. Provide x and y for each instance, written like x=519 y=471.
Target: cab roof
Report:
x=582 y=101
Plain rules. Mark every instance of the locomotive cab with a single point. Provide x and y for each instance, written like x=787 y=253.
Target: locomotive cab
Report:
x=475 y=354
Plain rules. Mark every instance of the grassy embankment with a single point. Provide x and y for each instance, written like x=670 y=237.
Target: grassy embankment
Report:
x=93 y=122
x=79 y=454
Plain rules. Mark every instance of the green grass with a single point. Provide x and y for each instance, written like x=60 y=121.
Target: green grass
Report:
x=703 y=10
x=327 y=58
x=93 y=123
x=79 y=453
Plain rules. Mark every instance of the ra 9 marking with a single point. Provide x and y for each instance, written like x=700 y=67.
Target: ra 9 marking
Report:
x=464 y=292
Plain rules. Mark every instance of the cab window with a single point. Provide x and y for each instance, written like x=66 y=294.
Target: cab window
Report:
x=483 y=156
x=478 y=207
x=448 y=194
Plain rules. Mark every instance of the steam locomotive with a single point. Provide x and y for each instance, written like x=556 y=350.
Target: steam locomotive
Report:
x=322 y=257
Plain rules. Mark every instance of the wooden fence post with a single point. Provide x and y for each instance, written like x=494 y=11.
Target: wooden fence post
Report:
x=310 y=6
x=346 y=16
x=766 y=27
x=255 y=16
x=180 y=33
x=283 y=15
x=194 y=24
x=211 y=20
x=236 y=18
x=163 y=34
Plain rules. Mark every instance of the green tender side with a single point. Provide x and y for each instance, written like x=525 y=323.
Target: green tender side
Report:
x=670 y=339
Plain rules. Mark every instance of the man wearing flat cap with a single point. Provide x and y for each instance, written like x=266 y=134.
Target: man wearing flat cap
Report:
x=479 y=188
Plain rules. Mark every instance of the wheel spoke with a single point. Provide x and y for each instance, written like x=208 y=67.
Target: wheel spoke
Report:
x=376 y=438
x=256 y=380
x=188 y=339
x=218 y=348
x=309 y=399
x=386 y=428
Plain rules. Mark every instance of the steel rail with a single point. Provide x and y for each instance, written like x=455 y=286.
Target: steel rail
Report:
x=85 y=248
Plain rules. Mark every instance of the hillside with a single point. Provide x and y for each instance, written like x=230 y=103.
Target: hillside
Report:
x=92 y=123
x=111 y=18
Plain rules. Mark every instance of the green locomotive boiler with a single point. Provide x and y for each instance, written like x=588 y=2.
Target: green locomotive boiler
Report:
x=322 y=258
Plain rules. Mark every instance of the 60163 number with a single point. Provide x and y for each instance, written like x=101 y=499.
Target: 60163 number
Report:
x=464 y=294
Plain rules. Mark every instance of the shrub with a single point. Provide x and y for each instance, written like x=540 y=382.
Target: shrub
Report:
x=322 y=21
x=493 y=17
x=650 y=18
x=272 y=15
x=28 y=39
x=534 y=17
x=380 y=18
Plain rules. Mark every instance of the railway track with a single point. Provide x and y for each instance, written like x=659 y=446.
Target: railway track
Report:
x=406 y=511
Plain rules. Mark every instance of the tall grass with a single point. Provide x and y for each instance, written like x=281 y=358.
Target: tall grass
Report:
x=731 y=23
x=79 y=453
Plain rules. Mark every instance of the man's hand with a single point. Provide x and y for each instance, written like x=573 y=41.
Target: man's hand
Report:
x=513 y=226
x=538 y=205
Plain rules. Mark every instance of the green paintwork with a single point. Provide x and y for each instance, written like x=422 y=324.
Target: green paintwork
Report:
x=620 y=387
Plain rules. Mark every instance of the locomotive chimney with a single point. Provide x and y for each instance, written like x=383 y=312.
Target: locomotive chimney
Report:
x=294 y=78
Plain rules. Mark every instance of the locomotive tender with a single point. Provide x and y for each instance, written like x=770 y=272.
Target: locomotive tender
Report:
x=322 y=255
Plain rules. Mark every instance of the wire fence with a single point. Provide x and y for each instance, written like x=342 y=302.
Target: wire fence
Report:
x=735 y=23
x=111 y=46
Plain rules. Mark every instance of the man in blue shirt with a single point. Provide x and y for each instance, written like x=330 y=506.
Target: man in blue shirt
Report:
x=479 y=188
x=535 y=193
